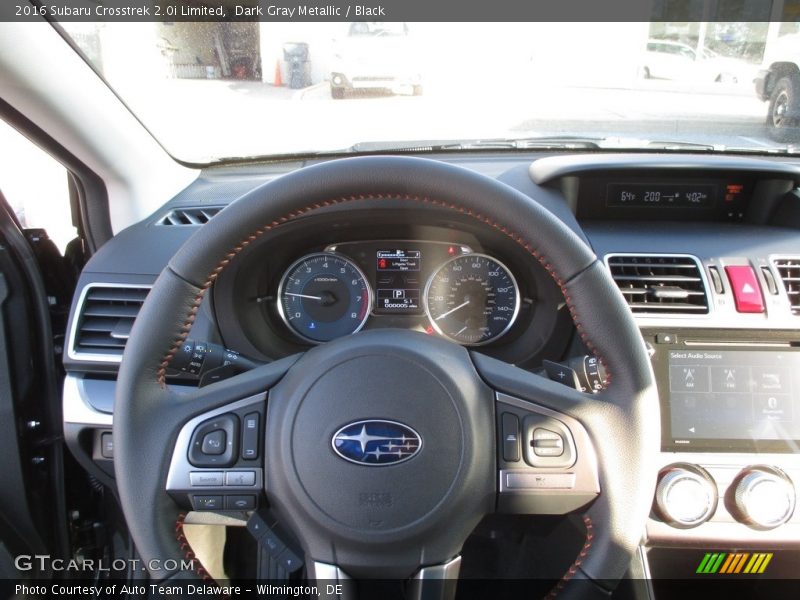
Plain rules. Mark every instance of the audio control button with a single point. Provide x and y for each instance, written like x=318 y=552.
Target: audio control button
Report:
x=763 y=498
x=686 y=496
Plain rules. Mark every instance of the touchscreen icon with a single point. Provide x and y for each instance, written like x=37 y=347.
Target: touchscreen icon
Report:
x=688 y=378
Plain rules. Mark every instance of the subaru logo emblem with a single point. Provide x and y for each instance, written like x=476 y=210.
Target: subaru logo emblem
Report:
x=375 y=443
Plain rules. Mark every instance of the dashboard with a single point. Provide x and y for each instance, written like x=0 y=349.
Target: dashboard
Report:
x=705 y=249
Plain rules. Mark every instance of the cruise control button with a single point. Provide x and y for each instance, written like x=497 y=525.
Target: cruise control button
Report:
x=236 y=478
x=510 y=432
x=547 y=443
x=746 y=290
x=206 y=478
x=207 y=502
x=214 y=442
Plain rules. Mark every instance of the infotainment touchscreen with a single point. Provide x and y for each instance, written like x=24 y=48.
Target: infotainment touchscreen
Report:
x=733 y=399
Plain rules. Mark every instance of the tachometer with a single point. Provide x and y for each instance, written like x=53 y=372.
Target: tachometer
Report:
x=324 y=296
x=472 y=299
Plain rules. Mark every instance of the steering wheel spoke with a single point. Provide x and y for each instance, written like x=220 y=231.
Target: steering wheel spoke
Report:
x=217 y=462
x=546 y=463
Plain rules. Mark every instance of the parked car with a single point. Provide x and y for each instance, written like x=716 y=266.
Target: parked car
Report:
x=778 y=81
x=375 y=56
x=665 y=59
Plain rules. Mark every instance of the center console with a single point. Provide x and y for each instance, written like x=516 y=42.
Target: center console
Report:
x=730 y=410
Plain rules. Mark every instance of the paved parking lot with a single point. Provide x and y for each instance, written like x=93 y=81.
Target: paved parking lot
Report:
x=199 y=119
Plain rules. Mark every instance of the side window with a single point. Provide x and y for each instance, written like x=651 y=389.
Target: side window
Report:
x=36 y=186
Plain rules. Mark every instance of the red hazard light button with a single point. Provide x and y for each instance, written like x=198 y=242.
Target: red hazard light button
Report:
x=746 y=290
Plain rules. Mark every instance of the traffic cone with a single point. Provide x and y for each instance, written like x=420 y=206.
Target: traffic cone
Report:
x=278 y=79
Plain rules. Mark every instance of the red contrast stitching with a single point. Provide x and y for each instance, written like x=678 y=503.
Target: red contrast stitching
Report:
x=190 y=318
x=188 y=553
x=577 y=563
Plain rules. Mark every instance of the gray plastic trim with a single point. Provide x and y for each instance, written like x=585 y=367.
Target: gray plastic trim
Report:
x=545 y=170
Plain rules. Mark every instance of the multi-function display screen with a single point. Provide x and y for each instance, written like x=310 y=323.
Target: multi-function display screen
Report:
x=721 y=397
x=398 y=285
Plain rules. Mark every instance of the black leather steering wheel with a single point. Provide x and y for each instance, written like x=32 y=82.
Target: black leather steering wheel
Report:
x=451 y=397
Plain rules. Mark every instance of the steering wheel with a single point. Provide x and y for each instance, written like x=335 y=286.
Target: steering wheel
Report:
x=407 y=519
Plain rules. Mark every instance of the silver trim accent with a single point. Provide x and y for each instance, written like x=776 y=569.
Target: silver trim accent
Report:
x=436 y=574
x=291 y=267
x=180 y=469
x=365 y=422
x=76 y=318
x=517 y=300
x=326 y=572
x=667 y=316
x=76 y=410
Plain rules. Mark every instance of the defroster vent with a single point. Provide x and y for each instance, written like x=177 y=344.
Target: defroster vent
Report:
x=189 y=216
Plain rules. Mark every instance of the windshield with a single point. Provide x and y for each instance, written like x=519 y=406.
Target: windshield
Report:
x=217 y=90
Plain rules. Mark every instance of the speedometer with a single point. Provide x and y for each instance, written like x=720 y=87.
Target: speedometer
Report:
x=324 y=296
x=472 y=299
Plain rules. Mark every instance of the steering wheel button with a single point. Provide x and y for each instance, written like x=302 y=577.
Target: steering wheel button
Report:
x=247 y=502
x=240 y=478
x=272 y=543
x=250 y=430
x=205 y=478
x=214 y=442
x=207 y=502
x=289 y=561
x=510 y=434
x=547 y=443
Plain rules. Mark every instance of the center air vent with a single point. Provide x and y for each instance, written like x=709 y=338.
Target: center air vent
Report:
x=789 y=270
x=104 y=320
x=189 y=216
x=660 y=284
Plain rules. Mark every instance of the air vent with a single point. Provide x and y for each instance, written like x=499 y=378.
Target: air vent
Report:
x=189 y=216
x=105 y=317
x=660 y=284
x=789 y=270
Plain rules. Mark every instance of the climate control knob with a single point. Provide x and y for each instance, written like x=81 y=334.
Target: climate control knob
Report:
x=686 y=496
x=763 y=497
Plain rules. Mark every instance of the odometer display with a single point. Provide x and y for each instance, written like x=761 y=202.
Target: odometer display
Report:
x=472 y=299
x=324 y=296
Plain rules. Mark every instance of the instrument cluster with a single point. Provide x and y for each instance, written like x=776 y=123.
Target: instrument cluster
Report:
x=442 y=288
